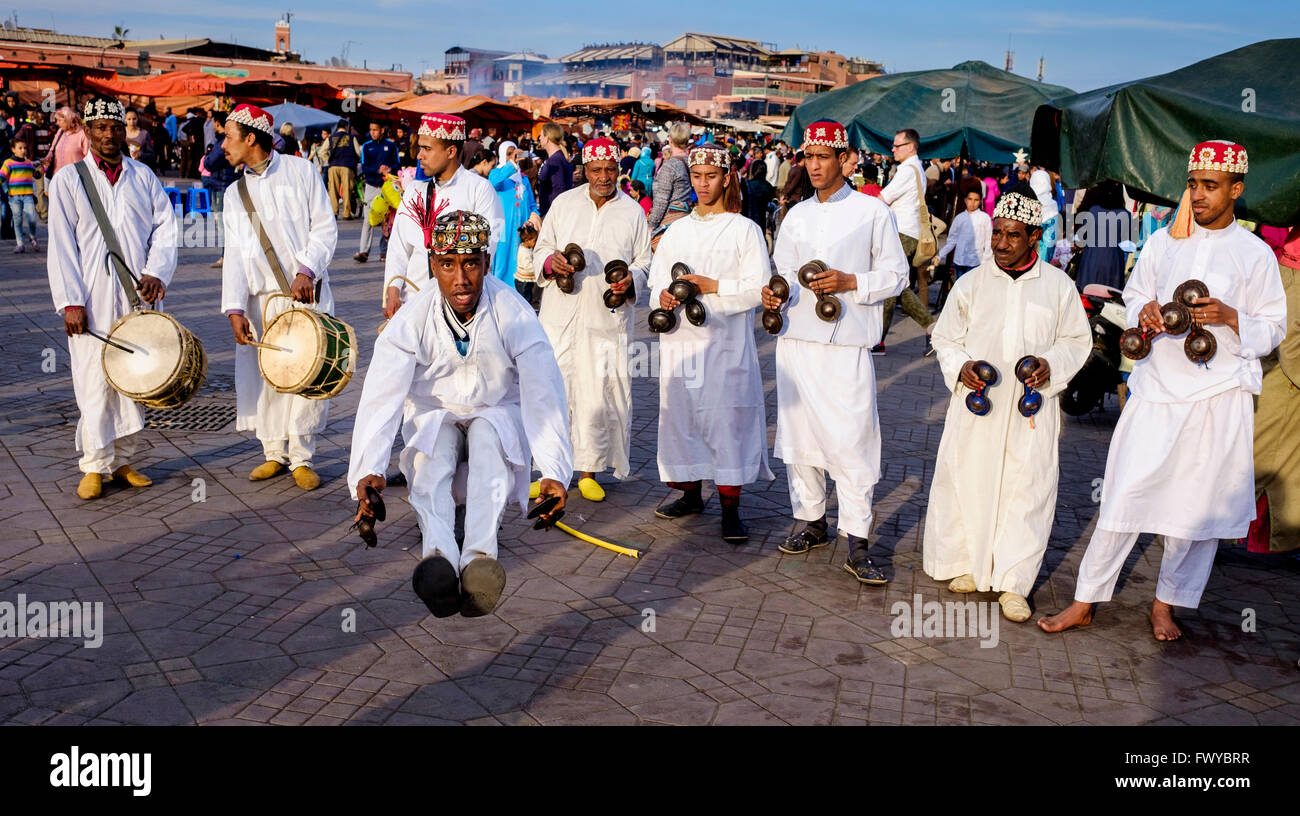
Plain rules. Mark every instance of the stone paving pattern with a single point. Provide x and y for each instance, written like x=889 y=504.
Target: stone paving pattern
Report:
x=229 y=611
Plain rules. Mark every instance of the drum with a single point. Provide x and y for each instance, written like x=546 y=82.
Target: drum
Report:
x=307 y=353
x=165 y=366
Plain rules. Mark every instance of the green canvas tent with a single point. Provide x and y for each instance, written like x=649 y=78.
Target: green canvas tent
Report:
x=1140 y=133
x=988 y=110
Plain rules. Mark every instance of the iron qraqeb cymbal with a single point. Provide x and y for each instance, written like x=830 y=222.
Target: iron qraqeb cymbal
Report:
x=985 y=371
x=695 y=312
x=1176 y=316
x=1189 y=291
x=575 y=256
x=1134 y=344
x=1200 y=346
x=1026 y=366
x=662 y=320
x=773 y=322
x=829 y=308
x=977 y=403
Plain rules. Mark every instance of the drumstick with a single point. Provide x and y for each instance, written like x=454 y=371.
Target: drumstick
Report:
x=110 y=342
x=265 y=345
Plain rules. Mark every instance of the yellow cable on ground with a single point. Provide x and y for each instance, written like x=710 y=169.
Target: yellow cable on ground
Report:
x=628 y=551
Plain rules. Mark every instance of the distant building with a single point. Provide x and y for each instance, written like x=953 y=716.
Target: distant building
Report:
x=200 y=54
x=606 y=71
x=513 y=70
x=471 y=71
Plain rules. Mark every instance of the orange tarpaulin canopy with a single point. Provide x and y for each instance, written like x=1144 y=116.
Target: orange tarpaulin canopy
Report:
x=479 y=111
x=176 y=83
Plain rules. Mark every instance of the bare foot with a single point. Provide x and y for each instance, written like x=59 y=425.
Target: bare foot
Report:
x=1162 y=622
x=1077 y=614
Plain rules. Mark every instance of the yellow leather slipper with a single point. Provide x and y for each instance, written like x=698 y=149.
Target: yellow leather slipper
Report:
x=590 y=490
x=91 y=486
x=131 y=476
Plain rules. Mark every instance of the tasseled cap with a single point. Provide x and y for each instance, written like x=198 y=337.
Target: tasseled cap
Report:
x=460 y=232
x=1217 y=154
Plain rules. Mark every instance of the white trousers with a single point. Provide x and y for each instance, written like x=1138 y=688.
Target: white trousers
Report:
x=110 y=457
x=1184 y=567
x=808 y=499
x=489 y=483
x=296 y=451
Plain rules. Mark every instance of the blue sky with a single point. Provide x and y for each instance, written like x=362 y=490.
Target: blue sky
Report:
x=1086 y=45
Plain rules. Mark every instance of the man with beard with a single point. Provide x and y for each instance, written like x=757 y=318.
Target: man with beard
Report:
x=993 y=497
x=91 y=300
x=590 y=338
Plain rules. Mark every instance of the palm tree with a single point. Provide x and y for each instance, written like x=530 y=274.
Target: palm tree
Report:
x=120 y=33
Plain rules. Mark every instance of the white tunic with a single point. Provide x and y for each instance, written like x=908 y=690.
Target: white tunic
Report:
x=294 y=208
x=712 y=420
x=508 y=377
x=407 y=254
x=590 y=339
x=993 y=496
x=81 y=275
x=1181 y=461
x=826 y=414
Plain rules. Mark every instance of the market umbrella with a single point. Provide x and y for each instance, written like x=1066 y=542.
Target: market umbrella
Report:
x=989 y=111
x=1140 y=133
x=302 y=118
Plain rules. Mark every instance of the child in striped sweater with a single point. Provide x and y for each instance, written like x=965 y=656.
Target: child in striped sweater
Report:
x=18 y=175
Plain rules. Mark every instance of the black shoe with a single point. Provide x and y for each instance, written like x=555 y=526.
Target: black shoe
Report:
x=688 y=505
x=434 y=580
x=481 y=583
x=733 y=529
x=803 y=541
x=396 y=480
x=861 y=567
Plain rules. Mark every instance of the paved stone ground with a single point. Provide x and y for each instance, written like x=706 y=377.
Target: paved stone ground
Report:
x=229 y=611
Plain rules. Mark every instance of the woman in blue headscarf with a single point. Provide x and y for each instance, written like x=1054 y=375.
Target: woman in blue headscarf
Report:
x=644 y=169
x=517 y=200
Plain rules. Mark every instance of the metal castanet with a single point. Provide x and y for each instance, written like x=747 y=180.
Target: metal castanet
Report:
x=615 y=271
x=683 y=290
x=976 y=401
x=1188 y=292
x=695 y=313
x=662 y=320
x=1135 y=344
x=1200 y=346
x=828 y=308
x=1032 y=401
x=1176 y=316
x=577 y=259
x=773 y=322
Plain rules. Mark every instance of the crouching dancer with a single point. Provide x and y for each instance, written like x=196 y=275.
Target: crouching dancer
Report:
x=487 y=395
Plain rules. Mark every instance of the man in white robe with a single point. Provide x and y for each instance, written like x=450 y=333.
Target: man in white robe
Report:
x=993 y=496
x=591 y=339
x=826 y=421
x=712 y=420
x=471 y=357
x=1181 y=461
x=86 y=288
x=451 y=187
x=294 y=209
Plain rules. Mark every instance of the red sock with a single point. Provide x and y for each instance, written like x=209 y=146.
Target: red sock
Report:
x=729 y=495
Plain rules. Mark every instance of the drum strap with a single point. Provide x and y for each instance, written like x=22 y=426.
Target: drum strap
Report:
x=124 y=275
x=267 y=249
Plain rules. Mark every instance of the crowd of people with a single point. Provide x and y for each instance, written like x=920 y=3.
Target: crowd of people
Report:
x=512 y=267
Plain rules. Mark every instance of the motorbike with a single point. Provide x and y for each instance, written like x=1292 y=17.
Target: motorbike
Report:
x=1105 y=370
